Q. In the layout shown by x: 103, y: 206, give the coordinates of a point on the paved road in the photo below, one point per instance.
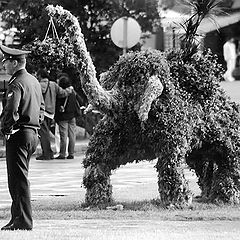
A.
x: 48, y: 178
x: 64, y: 178
x: 232, y: 89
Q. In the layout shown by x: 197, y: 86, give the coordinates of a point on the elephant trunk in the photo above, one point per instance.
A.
x: 101, y: 99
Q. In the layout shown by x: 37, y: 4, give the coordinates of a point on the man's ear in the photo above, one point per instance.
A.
x: 153, y: 90
x: 15, y: 62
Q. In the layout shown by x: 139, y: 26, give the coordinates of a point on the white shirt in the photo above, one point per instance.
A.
x: 229, y: 51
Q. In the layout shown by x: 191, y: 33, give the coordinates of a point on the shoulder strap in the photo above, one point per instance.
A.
x: 44, y: 94
x: 65, y: 102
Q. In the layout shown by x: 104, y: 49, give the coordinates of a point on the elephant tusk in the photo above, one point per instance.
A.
x: 153, y: 91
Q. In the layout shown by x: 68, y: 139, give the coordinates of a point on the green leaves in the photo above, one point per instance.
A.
x: 53, y: 54
x: 201, y: 9
x: 193, y: 121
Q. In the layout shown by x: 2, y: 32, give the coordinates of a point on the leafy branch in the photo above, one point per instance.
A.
x: 201, y: 9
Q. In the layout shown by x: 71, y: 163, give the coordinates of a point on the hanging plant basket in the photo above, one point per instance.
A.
x: 54, y: 54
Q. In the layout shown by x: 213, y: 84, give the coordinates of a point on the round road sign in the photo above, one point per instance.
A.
x: 125, y: 32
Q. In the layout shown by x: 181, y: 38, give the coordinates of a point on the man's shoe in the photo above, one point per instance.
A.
x: 60, y: 157
x: 13, y: 227
x: 7, y: 225
x: 70, y: 157
x: 42, y: 157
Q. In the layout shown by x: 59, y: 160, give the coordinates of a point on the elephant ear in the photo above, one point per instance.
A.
x: 153, y: 90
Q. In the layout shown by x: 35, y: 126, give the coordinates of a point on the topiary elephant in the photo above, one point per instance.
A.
x: 163, y: 106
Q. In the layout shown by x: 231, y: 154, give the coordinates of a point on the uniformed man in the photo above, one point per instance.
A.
x: 21, y: 120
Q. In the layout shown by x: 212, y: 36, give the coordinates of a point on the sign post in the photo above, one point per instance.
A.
x: 125, y: 33
x: 125, y: 26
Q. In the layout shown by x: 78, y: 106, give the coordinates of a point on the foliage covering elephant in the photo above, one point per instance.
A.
x: 160, y: 106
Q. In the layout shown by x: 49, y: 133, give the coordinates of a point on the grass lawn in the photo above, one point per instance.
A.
x: 66, y: 218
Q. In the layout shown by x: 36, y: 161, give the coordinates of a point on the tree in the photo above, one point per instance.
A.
x: 95, y: 17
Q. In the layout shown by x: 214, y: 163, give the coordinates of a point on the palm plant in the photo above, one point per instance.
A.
x: 201, y: 9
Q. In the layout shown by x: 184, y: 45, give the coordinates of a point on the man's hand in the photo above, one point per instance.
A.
x: 70, y: 89
x: 89, y: 109
x: 6, y: 133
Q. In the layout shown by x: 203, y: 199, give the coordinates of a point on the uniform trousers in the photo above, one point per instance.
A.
x: 19, y: 148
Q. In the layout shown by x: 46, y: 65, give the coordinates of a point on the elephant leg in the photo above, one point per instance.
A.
x: 172, y: 185
x: 225, y: 185
x: 97, y: 174
x: 218, y: 177
x: 97, y: 182
x: 203, y: 168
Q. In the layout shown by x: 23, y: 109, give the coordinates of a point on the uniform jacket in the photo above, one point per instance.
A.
x: 25, y: 104
x: 51, y: 93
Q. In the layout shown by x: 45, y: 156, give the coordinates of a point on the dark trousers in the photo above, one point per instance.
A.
x: 44, y: 133
x: 19, y: 148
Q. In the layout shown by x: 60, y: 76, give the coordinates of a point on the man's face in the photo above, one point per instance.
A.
x: 9, y: 65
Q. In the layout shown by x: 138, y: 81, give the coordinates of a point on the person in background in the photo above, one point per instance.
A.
x: 22, y: 115
x: 230, y: 56
x: 66, y: 119
x: 51, y: 91
x: 57, y: 138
